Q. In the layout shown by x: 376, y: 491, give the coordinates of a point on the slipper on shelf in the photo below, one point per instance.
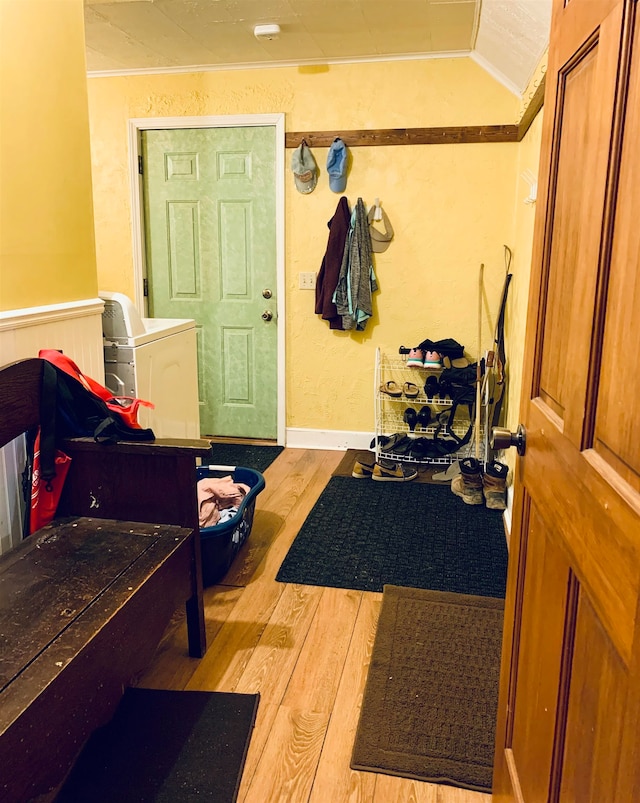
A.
x: 458, y: 362
x: 424, y: 416
x: 389, y: 443
x: 392, y: 389
x: 410, y: 417
x: 422, y: 448
x: 398, y: 443
x: 431, y: 386
x: 411, y: 391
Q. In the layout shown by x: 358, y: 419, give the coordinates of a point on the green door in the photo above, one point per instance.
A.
x: 210, y: 233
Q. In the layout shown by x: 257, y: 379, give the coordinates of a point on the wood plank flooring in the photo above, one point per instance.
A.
x: 306, y: 649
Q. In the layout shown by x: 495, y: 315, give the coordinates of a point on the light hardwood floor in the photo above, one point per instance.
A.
x: 305, y: 649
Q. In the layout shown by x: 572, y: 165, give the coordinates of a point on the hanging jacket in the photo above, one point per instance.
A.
x: 357, y: 280
x: 327, y: 279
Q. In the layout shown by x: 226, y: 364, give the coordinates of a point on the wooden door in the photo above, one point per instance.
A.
x: 210, y: 233
x: 569, y: 711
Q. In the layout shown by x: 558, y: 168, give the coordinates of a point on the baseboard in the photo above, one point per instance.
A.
x: 298, y: 438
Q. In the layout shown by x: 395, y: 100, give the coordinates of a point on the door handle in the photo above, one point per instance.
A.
x: 502, y: 438
x: 266, y: 293
x: 267, y: 315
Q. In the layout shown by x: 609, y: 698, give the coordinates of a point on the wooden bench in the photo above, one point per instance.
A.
x: 84, y: 601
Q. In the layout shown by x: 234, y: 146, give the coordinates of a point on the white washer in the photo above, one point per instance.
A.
x: 153, y: 359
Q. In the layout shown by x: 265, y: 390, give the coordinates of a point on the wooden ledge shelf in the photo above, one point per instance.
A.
x: 447, y: 135
x: 451, y: 135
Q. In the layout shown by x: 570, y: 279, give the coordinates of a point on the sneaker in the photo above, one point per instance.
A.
x: 362, y: 471
x: 392, y: 472
x: 432, y: 359
x: 415, y: 358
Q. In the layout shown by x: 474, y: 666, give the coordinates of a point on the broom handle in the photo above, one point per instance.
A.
x: 478, y: 373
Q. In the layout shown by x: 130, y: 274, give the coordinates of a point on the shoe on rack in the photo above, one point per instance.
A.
x: 424, y: 416
x: 362, y: 470
x: 411, y: 391
x: 468, y: 484
x: 416, y: 358
x: 410, y: 417
x: 391, y: 388
x: 385, y: 471
x: 432, y: 359
x: 431, y: 386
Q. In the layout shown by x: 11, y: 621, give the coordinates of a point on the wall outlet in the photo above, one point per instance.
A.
x: 307, y: 281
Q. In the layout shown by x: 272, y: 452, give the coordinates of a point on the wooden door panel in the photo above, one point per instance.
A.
x: 572, y: 254
x: 539, y: 660
x: 579, y: 22
x: 597, y: 700
x: 570, y: 686
x: 596, y: 530
x: 617, y: 434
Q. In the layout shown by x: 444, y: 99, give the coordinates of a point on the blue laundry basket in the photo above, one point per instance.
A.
x: 221, y: 543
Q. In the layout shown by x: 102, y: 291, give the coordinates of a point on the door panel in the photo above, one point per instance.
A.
x: 586, y: 82
x: 617, y: 435
x: 211, y: 251
x: 570, y: 681
x: 534, y: 717
x: 595, y: 712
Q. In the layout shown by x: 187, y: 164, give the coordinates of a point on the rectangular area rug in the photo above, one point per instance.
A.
x: 363, y: 535
x: 431, y: 696
x: 166, y: 747
x: 247, y: 455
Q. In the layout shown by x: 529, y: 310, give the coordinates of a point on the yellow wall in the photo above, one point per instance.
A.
x: 47, y: 251
x: 524, y: 215
x: 451, y: 206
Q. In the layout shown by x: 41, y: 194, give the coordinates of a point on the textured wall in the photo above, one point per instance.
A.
x: 47, y: 251
x: 516, y: 315
x: 452, y: 206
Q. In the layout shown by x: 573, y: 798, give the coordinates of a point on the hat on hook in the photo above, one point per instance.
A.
x: 305, y: 169
x: 379, y: 240
x: 337, y: 165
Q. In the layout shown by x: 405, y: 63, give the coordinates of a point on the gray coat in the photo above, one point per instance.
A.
x: 357, y: 279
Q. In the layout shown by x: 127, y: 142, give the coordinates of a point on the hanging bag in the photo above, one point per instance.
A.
x: 46, y: 491
x: 125, y: 407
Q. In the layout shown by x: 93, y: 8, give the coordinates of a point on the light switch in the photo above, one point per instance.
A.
x: 307, y: 281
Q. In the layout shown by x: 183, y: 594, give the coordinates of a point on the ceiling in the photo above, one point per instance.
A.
x: 507, y: 37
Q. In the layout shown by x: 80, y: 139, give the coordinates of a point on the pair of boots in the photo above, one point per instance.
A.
x: 476, y: 487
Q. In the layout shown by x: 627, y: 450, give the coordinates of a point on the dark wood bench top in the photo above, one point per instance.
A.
x: 72, y: 600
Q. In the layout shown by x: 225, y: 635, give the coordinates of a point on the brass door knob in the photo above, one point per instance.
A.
x: 267, y: 315
x: 266, y: 293
x: 502, y: 438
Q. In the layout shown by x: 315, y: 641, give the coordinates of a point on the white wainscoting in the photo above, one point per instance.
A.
x: 74, y: 328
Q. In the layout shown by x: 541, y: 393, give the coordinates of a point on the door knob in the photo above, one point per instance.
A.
x: 266, y: 293
x: 502, y: 438
x: 267, y: 315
